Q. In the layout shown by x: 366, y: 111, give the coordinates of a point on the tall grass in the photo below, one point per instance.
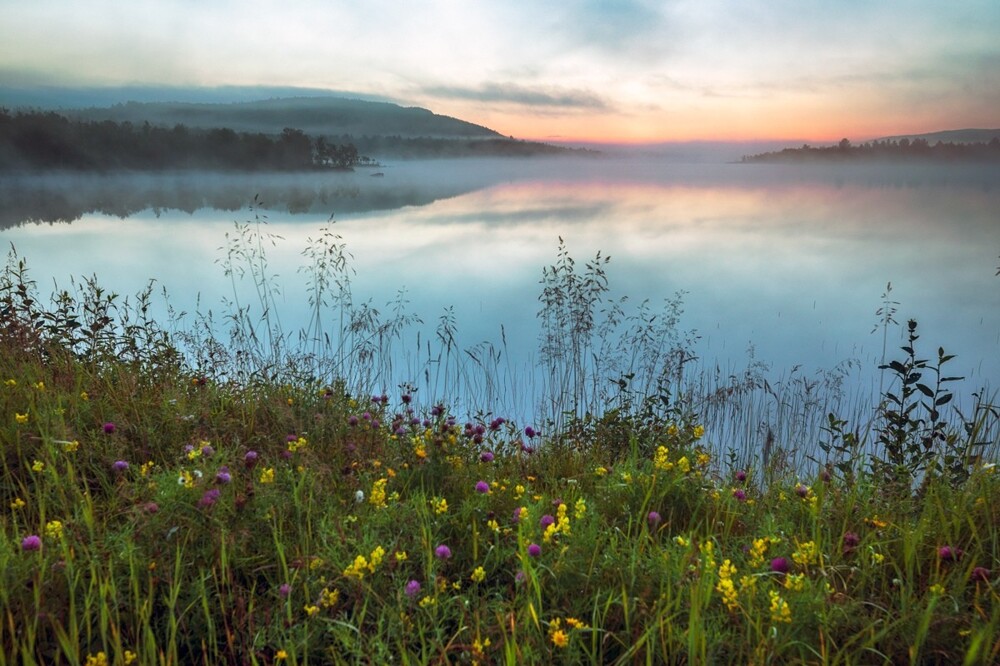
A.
x: 174, y: 495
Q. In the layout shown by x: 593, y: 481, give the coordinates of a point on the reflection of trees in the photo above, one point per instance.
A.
x: 67, y: 198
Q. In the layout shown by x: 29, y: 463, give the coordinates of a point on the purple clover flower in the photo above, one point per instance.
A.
x: 482, y: 487
x: 486, y: 457
x: 546, y: 520
x: 109, y: 428
x: 780, y: 565
x: 209, y: 498
x: 949, y: 553
x: 653, y: 518
x: 534, y: 550
x: 740, y: 494
x: 981, y: 575
x: 442, y: 552
x: 412, y: 588
x: 285, y: 590
x: 31, y: 542
x: 530, y: 432
x: 250, y: 458
x: 223, y: 476
x: 741, y: 476
x: 119, y: 466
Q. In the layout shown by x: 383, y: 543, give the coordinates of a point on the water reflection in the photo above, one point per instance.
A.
x: 788, y: 261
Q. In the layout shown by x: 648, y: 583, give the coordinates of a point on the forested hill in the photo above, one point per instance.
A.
x: 901, y: 149
x: 316, y: 116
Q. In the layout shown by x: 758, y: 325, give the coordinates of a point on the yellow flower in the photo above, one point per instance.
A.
x: 704, y: 459
x: 130, y: 657
x: 684, y: 465
x: 795, y: 582
x: 661, y: 460
x: 427, y: 601
x: 479, y: 575
x: 20, y: 418
x: 37, y: 466
x: 600, y: 471
x: 439, y: 505
x: 99, y: 659
x: 71, y: 446
x: 401, y: 556
x: 936, y: 589
x: 280, y: 655
x: 376, y: 557
x: 18, y: 503
x: 40, y: 386
x: 698, y: 432
x: 493, y: 525
x: 11, y: 382
x: 378, y: 495
x: 358, y: 568
x: 580, y: 508
x: 54, y: 529
x: 559, y: 638
x: 310, y: 609
x: 328, y: 598
x: 267, y: 475
x: 681, y: 541
x: 807, y: 553
x: 146, y: 468
x: 575, y: 623
x: 185, y: 479
x: 780, y: 611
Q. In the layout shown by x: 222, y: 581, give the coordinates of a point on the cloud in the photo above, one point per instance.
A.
x: 515, y: 94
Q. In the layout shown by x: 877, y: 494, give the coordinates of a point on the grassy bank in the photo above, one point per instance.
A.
x: 161, y: 507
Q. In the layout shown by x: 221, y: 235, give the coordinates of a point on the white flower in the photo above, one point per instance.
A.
x: 359, y: 496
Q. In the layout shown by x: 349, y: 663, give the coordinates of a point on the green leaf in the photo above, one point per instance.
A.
x: 926, y: 390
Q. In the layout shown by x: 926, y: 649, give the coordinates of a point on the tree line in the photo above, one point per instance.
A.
x: 36, y: 140
x: 887, y: 150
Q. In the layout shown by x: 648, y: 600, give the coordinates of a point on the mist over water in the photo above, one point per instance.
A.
x: 786, y: 262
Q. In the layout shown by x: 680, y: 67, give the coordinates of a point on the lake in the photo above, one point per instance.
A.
x: 781, y: 268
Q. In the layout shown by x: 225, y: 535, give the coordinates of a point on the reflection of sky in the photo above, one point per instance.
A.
x: 794, y: 267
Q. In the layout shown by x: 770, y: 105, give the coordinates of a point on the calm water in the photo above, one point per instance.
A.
x: 788, y: 261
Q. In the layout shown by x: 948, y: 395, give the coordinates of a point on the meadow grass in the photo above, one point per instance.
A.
x: 170, y: 499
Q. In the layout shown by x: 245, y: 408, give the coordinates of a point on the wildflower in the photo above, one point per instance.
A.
x: 740, y: 495
x: 482, y: 487
x: 54, y: 529
x: 109, y: 428
x: 310, y: 610
x: 698, y: 432
x: 120, y: 466
x: 328, y: 598
x: 99, y: 659
x: 877, y: 558
x: 285, y: 590
x: 71, y: 446
x: 683, y: 464
x: 520, y: 513
x: 851, y: 541
x: 795, y: 582
x: 31, y: 542
x: 378, y: 496
x: 546, y: 521
x: 439, y: 505
x: 130, y: 657
x: 267, y: 475
x: 534, y: 550
x: 653, y: 518
x: 20, y: 418
x: 37, y: 466
x: 486, y: 457
x: 559, y: 638
x: 442, y: 552
x: 185, y: 479
x: 151, y: 507
x: 757, y: 550
x: 84, y: 396
x: 681, y: 541
x: 40, y: 386
x: 936, y: 589
x: 412, y: 588
x: 600, y: 471
x: 726, y: 588
x: 11, y: 382
x: 980, y: 575
x: 741, y: 476
x: 359, y: 496
x: 807, y: 553
x: 579, y: 508
x: 780, y: 612
x: 223, y: 476
x: 530, y: 432
x: 209, y: 498
x: 400, y: 555
x: 280, y: 655
x: 250, y: 459
x: 949, y: 553
x: 427, y: 601
x: 661, y: 460
x: 780, y: 565
x: 18, y: 503
x: 478, y: 575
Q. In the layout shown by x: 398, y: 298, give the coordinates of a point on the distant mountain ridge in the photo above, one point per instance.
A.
x: 950, y: 136
x: 316, y: 116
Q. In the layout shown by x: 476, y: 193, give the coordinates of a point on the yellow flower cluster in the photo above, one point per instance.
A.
x: 807, y: 553
x: 20, y: 419
x: 18, y: 503
x: 267, y: 475
x: 560, y: 526
x: 795, y: 582
x: 377, y: 497
x: 362, y: 564
x: 661, y: 460
x: 54, y: 529
x: 558, y: 635
x: 780, y: 611
x: 328, y: 598
x: 757, y: 551
x: 71, y: 446
x: 478, y: 575
x: 297, y: 444
x: 580, y: 509
x: 439, y: 505
x: 726, y: 588
x: 99, y: 659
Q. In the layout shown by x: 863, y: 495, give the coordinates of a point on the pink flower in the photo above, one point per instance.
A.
x: 653, y: 518
x: 534, y: 550
x: 109, y: 427
x: 31, y: 542
x: 412, y: 588
x: 482, y: 487
x: 442, y: 552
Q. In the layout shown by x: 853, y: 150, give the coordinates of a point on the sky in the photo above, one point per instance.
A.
x: 554, y: 70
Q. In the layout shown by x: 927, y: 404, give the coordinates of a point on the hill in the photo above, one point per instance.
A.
x: 316, y: 116
x: 949, y: 136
